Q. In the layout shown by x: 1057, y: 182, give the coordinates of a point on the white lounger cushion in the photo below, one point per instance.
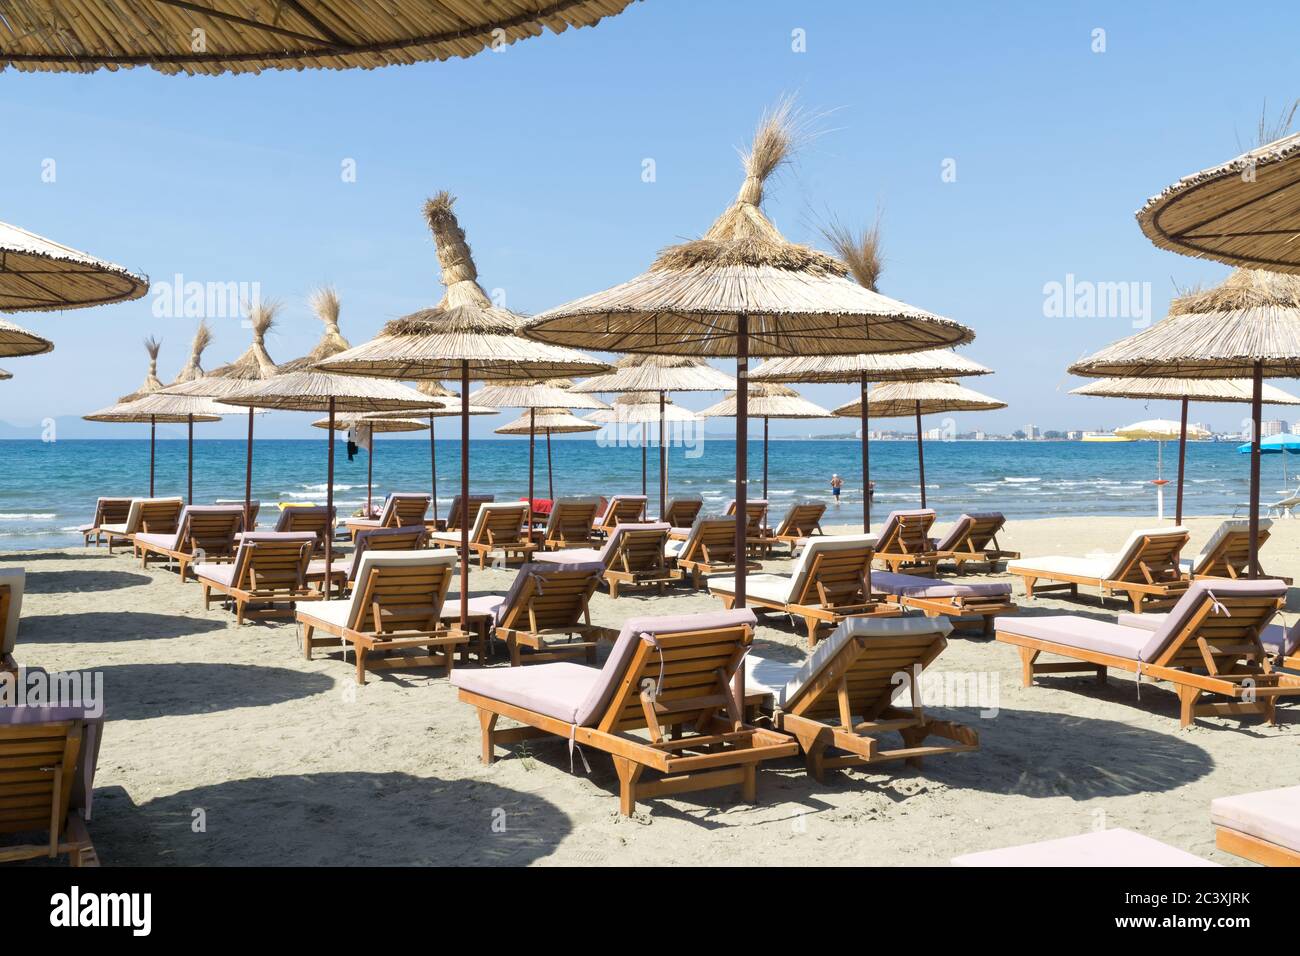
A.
x: 1102, y: 567
x: 132, y: 523
x: 1239, y: 525
x: 16, y: 578
x: 782, y: 590
x: 784, y: 681
x: 1099, y: 848
x: 1272, y: 815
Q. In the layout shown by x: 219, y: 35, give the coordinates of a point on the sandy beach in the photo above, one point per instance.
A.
x: 224, y: 746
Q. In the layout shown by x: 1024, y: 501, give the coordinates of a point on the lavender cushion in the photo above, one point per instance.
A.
x: 918, y: 586
x: 1099, y: 848
x: 1272, y: 815
x: 556, y: 689
x: 223, y: 574
x: 168, y: 542
x: 1081, y: 632
x: 1191, y: 600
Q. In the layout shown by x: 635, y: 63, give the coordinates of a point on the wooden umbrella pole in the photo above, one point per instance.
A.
x: 464, y: 496
x: 920, y: 452
x: 742, y: 496
x: 550, y: 472
x: 153, y: 430
x: 370, y: 468
x: 765, y: 420
x: 189, y: 482
x: 433, y: 468
x: 1182, y: 460
x: 329, y: 502
x: 663, y: 461
x: 248, y: 475
x: 866, y: 462
x: 532, y: 423
x: 1256, y: 397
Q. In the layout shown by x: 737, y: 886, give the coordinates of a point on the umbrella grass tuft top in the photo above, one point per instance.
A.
x: 1245, y: 212
x: 152, y: 382
x: 255, y: 365
x: 899, y: 399
x: 325, y: 303
x: 465, y: 327
x: 548, y: 421
x: 254, y: 35
x: 659, y: 373
x: 41, y: 275
x: 1176, y: 389
x: 16, y: 340
x: 794, y: 299
x: 193, y: 369
x: 768, y: 400
x: 1252, y: 317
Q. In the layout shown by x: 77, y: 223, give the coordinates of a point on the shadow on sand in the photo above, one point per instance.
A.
x: 94, y: 627
x: 143, y: 691
x: 62, y: 582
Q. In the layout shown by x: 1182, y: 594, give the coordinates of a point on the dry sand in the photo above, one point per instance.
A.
x: 224, y: 746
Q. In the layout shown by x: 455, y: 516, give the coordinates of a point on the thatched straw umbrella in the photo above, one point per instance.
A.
x: 41, y: 275
x: 313, y: 391
x: 464, y: 336
x: 257, y: 35
x: 548, y: 421
x: 861, y: 252
x: 151, y: 382
x: 532, y: 396
x: 768, y: 400
x: 5, y: 375
x: 325, y: 303
x: 16, y: 340
x: 1245, y: 212
x: 193, y: 367
x: 1248, y: 326
x: 660, y: 374
x: 1183, y: 390
x: 641, y: 409
x: 908, y: 399
x: 366, y: 427
x: 744, y: 290
x: 116, y: 413
x: 448, y: 406
x: 255, y: 365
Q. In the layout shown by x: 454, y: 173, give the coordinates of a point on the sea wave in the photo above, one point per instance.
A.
x: 28, y: 516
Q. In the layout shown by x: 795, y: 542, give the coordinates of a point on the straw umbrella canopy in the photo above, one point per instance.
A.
x: 193, y: 368
x: 741, y: 290
x: 1246, y: 327
x: 5, y: 375
x: 533, y: 396
x: 367, y: 427
x: 548, y: 421
x: 464, y: 336
x: 641, y: 409
x: 41, y: 275
x: 1183, y: 390
x: 16, y: 340
x: 1161, y: 430
x: 768, y: 400
x: 151, y: 381
x: 1245, y: 212
x: 660, y: 374
x: 116, y: 413
x: 907, y: 399
x: 261, y: 35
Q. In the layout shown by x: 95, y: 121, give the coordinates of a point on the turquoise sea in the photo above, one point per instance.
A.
x: 50, y: 487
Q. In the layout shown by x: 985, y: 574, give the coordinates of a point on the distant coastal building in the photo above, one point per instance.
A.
x: 1073, y: 435
x: 1275, y: 426
x: 1031, y: 432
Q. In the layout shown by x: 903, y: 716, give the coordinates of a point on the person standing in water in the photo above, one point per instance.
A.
x: 836, y: 484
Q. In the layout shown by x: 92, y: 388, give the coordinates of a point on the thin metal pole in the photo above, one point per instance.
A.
x: 920, y: 452
x: 329, y: 501
x: 189, y: 485
x: 464, y: 496
x: 248, y: 475
x: 866, y: 462
x: 370, y: 467
x: 532, y: 423
x: 550, y: 473
x: 742, y: 478
x: 433, y: 467
x: 765, y: 456
x: 153, y: 429
x: 1256, y: 400
x: 645, y: 440
x: 1182, y: 459
x: 663, y: 461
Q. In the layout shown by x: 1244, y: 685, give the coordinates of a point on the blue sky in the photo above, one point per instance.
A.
x: 238, y: 179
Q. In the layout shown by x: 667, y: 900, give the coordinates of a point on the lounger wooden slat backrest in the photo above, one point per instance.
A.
x: 272, y: 562
x: 907, y: 532
x: 711, y: 541
x: 682, y: 512
x: 622, y: 509
x: 317, y: 519
x: 569, y: 523
x: 38, y: 764
x: 755, y: 515
x: 410, y: 538
x: 12, y: 584
x: 211, y: 530
x: 801, y: 521
x: 401, y: 591
x: 160, y: 516
x: 500, y: 523
x: 1227, y: 553
x: 974, y: 534
x: 550, y: 596
x: 835, y: 577
x: 404, y: 508
x: 1151, y: 558
x: 637, y: 549
x: 1214, y: 631
x: 457, y: 516
x: 111, y: 511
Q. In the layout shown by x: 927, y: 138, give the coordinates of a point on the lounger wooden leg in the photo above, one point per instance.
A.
x: 628, y: 774
x: 513, y: 646
x: 1027, y: 657
x: 360, y: 653
x: 749, y: 785
x: 1187, y: 697
x: 239, y: 613
x: 814, y: 757
x: 207, y: 598
x: 913, y: 737
x: 487, y: 722
x: 613, y: 590
x: 1029, y: 587
x: 307, y: 631
x: 811, y: 623
x: 728, y: 601
x: 696, y: 578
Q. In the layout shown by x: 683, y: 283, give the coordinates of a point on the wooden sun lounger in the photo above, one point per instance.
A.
x: 12, y: 583
x: 391, y: 621
x: 343, y: 570
x: 1208, y: 646
x: 841, y: 697
x: 400, y: 509
x: 905, y: 542
x: 107, y: 511
x: 662, y: 703
x: 458, y: 515
x: 709, y: 548
x: 270, y: 568
x: 800, y: 523
x: 682, y: 512
x: 621, y: 509
x: 829, y: 584
x: 498, y: 526
x: 632, y: 556
x: 756, y: 533
x: 317, y: 519
x: 1227, y: 553
x: 47, y: 773
x: 1147, y: 570
x: 940, y: 598
x: 975, y: 538
x: 206, y: 533
x: 569, y: 523
x: 1261, y: 827
x: 150, y: 515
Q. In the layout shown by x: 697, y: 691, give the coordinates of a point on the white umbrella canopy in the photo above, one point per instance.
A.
x: 465, y: 337
x: 16, y: 341
x: 1161, y: 430
x: 41, y: 275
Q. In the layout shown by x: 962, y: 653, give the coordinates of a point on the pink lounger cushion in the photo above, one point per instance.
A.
x: 601, y: 556
x: 1271, y: 815
x: 577, y: 694
x: 1276, y: 638
x: 1116, y: 847
x: 918, y: 586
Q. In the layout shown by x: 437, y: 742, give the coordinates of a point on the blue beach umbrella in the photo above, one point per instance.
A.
x: 1284, y: 444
